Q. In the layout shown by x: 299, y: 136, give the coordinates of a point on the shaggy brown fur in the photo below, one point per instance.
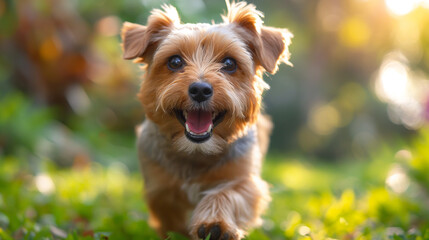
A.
x: 210, y: 186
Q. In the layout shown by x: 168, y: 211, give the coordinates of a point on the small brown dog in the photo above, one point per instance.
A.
x: 204, y: 137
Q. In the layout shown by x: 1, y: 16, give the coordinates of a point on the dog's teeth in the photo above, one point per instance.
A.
x: 213, y: 115
x: 185, y: 114
x: 199, y: 134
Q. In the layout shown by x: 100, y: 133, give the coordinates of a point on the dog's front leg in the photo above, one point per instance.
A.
x: 167, y: 211
x: 226, y: 211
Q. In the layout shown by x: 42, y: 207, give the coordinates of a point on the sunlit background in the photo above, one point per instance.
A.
x: 358, y: 92
x: 359, y: 75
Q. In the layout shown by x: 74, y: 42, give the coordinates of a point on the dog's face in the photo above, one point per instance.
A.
x: 203, y: 83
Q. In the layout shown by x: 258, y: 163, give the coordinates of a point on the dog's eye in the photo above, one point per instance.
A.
x: 229, y: 65
x: 175, y: 63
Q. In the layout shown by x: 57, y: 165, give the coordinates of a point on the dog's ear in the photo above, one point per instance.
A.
x: 275, y: 48
x: 139, y: 40
x: 269, y: 46
x: 134, y: 40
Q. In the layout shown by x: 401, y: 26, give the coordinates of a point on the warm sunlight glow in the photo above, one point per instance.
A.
x: 425, y: 3
x: 401, y: 7
x: 403, y: 89
x: 394, y: 81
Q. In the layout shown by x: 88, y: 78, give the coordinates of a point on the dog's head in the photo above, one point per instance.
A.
x: 203, y: 82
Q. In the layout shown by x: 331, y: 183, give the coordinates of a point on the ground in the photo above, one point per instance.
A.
x: 311, y: 199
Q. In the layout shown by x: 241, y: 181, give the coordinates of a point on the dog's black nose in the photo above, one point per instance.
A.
x: 200, y: 91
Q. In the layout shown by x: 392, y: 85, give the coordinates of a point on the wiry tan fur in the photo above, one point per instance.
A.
x: 212, y: 187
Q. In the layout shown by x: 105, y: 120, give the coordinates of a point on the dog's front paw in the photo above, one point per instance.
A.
x: 217, y: 231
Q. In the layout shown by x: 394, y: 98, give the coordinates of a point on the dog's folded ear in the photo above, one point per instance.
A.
x: 134, y: 40
x: 140, y: 41
x: 269, y: 45
x: 274, y: 49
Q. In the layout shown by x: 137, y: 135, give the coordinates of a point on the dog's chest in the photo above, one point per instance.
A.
x: 154, y: 147
x: 193, y: 192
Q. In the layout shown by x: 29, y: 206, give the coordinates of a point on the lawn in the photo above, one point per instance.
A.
x: 384, y: 197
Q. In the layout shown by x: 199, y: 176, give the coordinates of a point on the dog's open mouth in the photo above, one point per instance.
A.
x: 199, y: 124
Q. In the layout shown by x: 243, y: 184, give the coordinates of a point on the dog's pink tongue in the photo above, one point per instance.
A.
x: 199, y: 121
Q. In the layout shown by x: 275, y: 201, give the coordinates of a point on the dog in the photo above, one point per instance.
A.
x: 204, y: 137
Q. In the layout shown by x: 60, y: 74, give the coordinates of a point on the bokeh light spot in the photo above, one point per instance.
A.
x: 404, y: 155
x: 324, y: 119
x: 400, y: 7
x: 403, y: 89
x: 354, y: 32
x: 397, y: 180
x: 394, y: 79
x: 44, y: 184
x: 108, y: 26
x: 304, y: 230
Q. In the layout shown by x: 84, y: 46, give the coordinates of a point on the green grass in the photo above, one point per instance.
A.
x: 310, y: 201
